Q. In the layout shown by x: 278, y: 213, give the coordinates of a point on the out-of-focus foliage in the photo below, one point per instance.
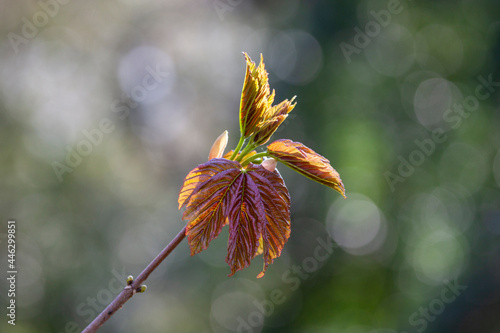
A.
x: 105, y: 106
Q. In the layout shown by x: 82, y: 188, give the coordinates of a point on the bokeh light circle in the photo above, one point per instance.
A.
x: 295, y: 56
x: 432, y: 99
x: 438, y: 257
x: 409, y: 87
x: 357, y: 225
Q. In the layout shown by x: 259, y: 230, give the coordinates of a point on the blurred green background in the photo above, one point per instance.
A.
x: 106, y: 106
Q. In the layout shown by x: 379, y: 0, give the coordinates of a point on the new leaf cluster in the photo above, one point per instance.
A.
x: 243, y: 189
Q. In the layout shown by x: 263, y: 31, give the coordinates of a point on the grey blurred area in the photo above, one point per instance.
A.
x: 106, y: 106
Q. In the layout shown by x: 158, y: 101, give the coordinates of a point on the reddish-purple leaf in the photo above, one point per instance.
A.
x: 246, y: 217
x: 253, y: 200
x: 198, y: 176
x: 276, y: 229
x: 206, y: 200
x: 307, y: 162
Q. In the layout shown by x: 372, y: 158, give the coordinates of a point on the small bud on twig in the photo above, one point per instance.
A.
x: 130, y: 279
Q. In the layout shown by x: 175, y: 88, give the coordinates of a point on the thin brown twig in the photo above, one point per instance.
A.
x: 131, y: 289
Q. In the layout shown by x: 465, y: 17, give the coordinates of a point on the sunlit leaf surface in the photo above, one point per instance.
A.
x: 306, y: 162
x: 254, y: 201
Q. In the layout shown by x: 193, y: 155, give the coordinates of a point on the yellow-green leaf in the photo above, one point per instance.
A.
x: 256, y: 97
